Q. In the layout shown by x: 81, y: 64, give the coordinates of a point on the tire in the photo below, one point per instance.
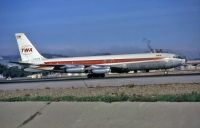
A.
x: 96, y: 75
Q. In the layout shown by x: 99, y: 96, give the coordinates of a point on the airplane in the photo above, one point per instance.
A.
x: 94, y: 66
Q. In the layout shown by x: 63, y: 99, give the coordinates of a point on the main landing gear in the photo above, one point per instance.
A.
x: 96, y: 75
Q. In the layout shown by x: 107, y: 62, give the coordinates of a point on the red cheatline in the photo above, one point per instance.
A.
x: 91, y: 62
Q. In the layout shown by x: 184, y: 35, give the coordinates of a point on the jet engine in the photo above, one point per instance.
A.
x: 75, y: 69
x: 102, y: 70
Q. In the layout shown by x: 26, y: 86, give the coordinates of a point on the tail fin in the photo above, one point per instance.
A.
x: 27, y: 51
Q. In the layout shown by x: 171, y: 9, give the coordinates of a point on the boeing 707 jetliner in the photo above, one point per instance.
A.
x: 94, y: 66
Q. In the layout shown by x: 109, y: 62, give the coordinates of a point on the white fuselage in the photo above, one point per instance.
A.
x: 143, y: 61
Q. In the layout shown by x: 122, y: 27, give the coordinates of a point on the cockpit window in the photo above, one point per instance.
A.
x: 178, y: 57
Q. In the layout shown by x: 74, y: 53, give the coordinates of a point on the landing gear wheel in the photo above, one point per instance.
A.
x: 102, y: 75
x: 89, y: 76
x: 96, y: 75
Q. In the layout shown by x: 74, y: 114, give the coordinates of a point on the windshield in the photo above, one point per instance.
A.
x: 178, y: 57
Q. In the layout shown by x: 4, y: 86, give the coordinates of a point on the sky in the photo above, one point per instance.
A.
x: 87, y: 27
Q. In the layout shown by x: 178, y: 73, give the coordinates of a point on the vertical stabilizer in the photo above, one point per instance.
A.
x: 28, y: 52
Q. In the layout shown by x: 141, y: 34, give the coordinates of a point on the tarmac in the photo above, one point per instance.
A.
x: 117, y: 81
x: 99, y: 115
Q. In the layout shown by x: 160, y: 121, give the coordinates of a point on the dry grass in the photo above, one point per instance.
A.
x: 129, y: 90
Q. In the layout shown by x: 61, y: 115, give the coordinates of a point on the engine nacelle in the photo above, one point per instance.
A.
x: 75, y: 70
x: 101, y: 70
x: 32, y: 70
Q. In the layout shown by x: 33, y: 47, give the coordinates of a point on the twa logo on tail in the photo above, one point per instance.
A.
x: 26, y: 50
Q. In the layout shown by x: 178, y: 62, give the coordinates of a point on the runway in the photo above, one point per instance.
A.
x: 101, y: 115
x: 110, y: 81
